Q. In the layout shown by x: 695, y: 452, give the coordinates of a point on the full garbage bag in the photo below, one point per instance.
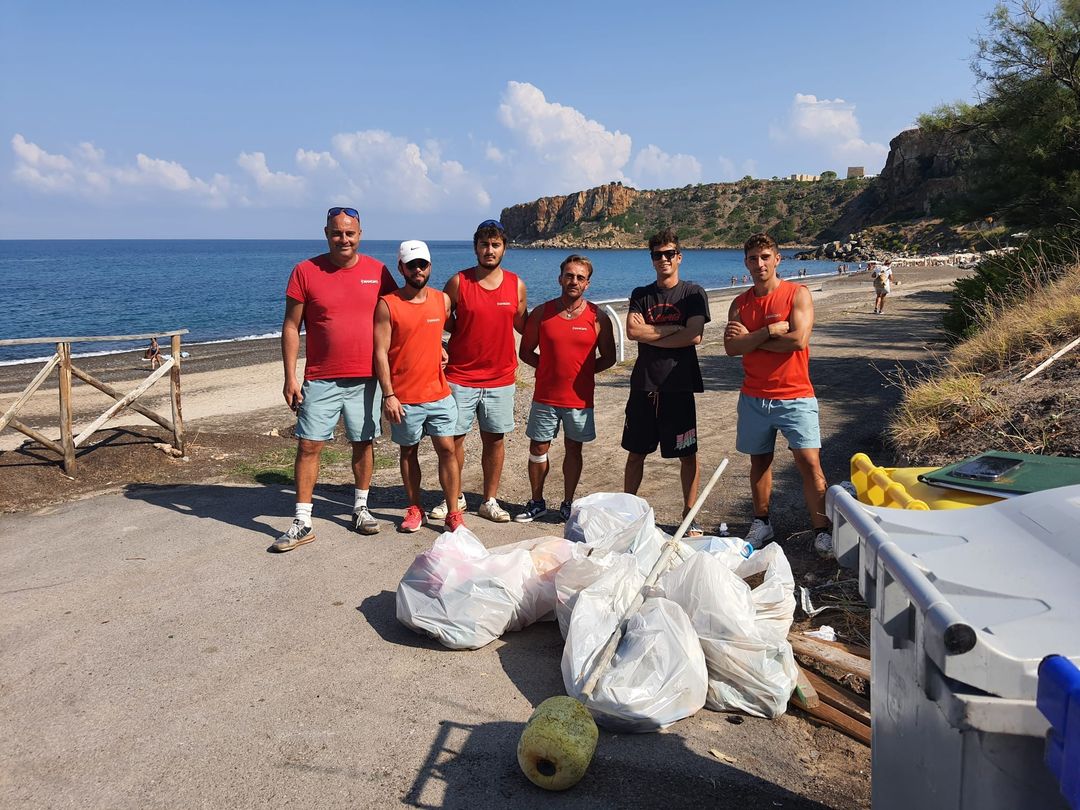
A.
x: 658, y: 674
x: 743, y: 633
x: 466, y: 595
x: 616, y: 522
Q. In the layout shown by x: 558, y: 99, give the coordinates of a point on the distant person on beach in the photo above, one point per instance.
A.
x: 667, y: 319
x: 487, y: 306
x: 769, y: 326
x: 153, y: 354
x: 568, y: 331
x: 416, y: 397
x: 734, y: 281
x: 882, y: 277
x: 334, y: 295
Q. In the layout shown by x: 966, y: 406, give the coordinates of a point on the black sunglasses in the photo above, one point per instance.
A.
x: 657, y: 255
x: 491, y: 223
x: 418, y: 264
x: 352, y: 212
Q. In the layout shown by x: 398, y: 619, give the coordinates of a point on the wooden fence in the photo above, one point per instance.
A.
x: 67, y: 443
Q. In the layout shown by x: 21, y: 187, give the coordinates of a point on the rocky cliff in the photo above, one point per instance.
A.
x: 922, y: 173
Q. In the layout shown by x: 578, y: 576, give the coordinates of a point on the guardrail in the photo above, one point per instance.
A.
x: 67, y: 443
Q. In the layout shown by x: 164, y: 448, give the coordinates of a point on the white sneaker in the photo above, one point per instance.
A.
x: 491, y: 510
x: 759, y: 533
x: 823, y: 545
x: 439, y: 512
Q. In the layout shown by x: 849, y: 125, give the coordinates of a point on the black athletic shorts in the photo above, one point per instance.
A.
x: 664, y: 418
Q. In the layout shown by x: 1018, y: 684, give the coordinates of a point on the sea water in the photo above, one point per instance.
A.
x: 224, y: 290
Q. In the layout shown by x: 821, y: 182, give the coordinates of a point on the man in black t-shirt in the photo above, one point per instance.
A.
x: 667, y: 319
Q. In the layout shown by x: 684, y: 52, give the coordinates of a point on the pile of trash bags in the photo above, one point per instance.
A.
x: 702, y: 638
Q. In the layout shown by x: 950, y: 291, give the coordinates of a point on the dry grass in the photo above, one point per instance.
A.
x: 1019, y: 329
x: 965, y: 393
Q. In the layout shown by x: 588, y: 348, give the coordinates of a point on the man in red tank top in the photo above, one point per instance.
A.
x: 416, y: 398
x: 568, y: 331
x: 487, y: 306
x: 769, y: 326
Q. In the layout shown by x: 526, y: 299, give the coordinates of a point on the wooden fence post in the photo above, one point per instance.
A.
x: 67, y: 437
x: 174, y: 386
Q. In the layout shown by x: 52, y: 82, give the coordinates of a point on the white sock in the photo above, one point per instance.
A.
x: 303, y: 513
x: 359, y: 499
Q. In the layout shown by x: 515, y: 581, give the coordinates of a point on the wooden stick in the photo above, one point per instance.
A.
x: 1050, y: 359
x: 805, y: 695
x: 36, y: 436
x: 29, y: 390
x: 174, y: 390
x: 116, y: 406
x: 826, y: 653
x: 89, y: 339
x: 66, y: 429
x: 855, y: 706
x: 105, y: 388
x: 834, y: 718
x: 601, y: 662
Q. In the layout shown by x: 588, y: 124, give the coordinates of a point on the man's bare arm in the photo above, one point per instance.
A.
x: 605, y: 343
x: 530, y: 339
x: 689, y: 335
x: 801, y: 324
x: 522, y: 309
x: 381, y: 334
x: 290, y: 351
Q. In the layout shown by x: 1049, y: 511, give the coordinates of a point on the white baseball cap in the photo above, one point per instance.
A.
x: 413, y: 249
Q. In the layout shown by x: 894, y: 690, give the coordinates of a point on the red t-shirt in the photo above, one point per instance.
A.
x: 773, y: 375
x: 481, y: 349
x: 339, y: 313
x: 415, y: 352
x: 566, y: 377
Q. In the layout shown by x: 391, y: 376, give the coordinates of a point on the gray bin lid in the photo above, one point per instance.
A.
x: 1008, y: 570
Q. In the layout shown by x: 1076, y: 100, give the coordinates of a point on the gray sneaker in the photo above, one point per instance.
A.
x: 491, y: 510
x: 364, y: 522
x: 439, y: 512
x: 297, y: 535
x: 759, y: 533
x: 823, y: 545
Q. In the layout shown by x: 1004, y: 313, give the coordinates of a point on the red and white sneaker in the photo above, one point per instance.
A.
x: 454, y: 520
x: 413, y: 520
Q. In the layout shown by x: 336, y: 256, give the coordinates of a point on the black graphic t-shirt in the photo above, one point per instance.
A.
x: 660, y: 369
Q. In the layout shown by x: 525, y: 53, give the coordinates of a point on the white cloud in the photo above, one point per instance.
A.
x: 655, y: 168
x: 832, y: 125
x: 30, y: 154
x: 494, y: 154
x: 562, y: 150
x: 254, y: 163
x: 315, y: 161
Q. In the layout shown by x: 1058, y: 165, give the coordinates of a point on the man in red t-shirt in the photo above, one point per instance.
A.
x: 334, y: 297
x: 769, y: 326
x: 568, y: 331
x: 488, y: 304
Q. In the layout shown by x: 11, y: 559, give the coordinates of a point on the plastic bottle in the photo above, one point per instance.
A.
x: 723, y: 531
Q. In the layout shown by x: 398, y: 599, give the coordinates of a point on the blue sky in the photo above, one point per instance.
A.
x: 246, y: 120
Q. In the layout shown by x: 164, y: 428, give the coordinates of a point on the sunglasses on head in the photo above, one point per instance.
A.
x: 352, y: 212
x: 491, y: 223
x: 418, y: 264
x: 657, y: 255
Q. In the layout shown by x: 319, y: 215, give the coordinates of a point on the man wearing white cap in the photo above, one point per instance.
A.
x: 416, y: 397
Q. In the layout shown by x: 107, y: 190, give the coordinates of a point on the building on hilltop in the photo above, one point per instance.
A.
x: 855, y: 171
x: 806, y: 178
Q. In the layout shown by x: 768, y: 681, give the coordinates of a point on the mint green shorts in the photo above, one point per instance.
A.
x: 358, y: 399
x: 760, y: 419
x: 492, y: 408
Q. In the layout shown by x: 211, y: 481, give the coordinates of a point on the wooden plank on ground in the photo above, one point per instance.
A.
x: 854, y: 706
x: 830, y: 654
x: 40, y: 438
x: 834, y: 718
x: 805, y: 695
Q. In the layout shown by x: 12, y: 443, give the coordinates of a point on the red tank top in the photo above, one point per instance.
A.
x: 482, y: 349
x: 773, y: 375
x: 415, y: 352
x: 566, y: 377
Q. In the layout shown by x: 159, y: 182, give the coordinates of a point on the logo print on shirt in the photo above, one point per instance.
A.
x: 663, y: 313
x: 773, y: 316
x: 579, y: 329
x: 369, y: 281
x: 503, y: 304
x: 433, y: 320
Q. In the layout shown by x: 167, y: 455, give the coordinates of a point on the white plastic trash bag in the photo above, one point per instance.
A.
x: 579, y: 573
x: 750, y: 664
x: 467, y: 596
x: 616, y: 522
x: 658, y: 674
